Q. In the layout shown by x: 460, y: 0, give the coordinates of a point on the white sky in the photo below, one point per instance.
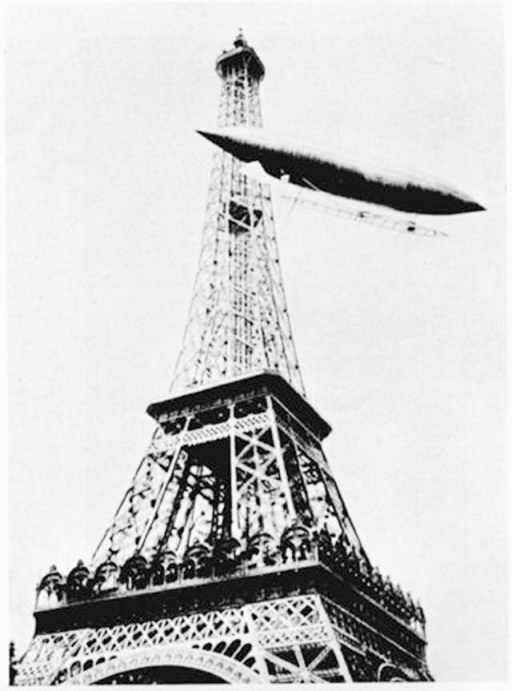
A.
x: 401, y: 339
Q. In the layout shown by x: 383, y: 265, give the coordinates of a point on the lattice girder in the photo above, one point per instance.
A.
x: 238, y: 320
x: 262, y: 631
x: 258, y: 476
x: 300, y: 638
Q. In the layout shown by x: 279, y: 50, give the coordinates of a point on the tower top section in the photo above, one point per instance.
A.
x: 241, y: 55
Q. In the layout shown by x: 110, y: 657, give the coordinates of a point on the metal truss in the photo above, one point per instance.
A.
x: 238, y: 320
x: 305, y: 638
x: 275, y: 477
x: 287, y: 639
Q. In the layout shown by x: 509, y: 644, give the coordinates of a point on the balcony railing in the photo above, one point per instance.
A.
x: 201, y: 565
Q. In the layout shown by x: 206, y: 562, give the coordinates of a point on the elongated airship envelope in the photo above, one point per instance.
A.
x: 340, y: 175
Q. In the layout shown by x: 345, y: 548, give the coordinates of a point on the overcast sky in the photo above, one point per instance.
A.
x: 400, y: 339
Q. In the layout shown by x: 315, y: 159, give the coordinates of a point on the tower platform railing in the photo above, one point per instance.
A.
x: 298, y: 549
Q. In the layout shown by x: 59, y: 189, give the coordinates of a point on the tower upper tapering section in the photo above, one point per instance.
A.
x: 238, y: 321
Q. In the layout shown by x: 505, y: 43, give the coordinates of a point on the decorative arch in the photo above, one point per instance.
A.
x: 228, y: 669
x: 388, y: 672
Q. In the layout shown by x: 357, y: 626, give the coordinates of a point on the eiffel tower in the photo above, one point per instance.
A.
x: 232, y: 556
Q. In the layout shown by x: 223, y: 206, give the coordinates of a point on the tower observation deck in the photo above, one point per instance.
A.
x: 240, y: 60
x: 232, y: 555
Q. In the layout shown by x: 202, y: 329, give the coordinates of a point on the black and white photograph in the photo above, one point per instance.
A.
x: 256, y: 343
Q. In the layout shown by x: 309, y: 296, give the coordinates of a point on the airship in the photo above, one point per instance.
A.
x: 339, y: 174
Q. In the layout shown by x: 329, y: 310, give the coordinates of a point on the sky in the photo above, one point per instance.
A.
x: 401, y: 339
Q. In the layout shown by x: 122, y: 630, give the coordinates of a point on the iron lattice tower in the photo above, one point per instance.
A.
x: 232, y: 555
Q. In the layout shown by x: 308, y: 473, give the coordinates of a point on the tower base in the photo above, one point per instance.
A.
x: 297, y: 623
